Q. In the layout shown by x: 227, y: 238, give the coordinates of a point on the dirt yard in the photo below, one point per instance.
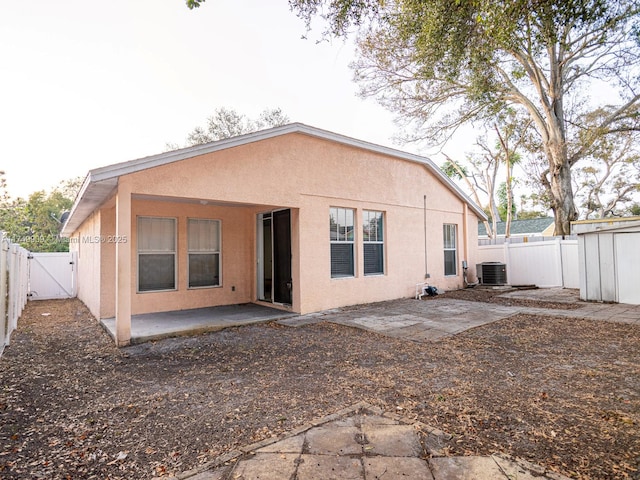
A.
x: 558, y: 392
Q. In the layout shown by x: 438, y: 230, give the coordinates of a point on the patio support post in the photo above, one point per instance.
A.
x: 123, y: 264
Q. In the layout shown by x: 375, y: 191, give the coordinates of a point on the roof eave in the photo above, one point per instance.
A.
x: 92, y: 194
x: 104, y: 180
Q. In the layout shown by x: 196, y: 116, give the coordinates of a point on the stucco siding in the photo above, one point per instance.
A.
x: 404, y: 247
x: 277, y: 171
x: 472, y: 246
x: 309, y: 176
x: 108, y: 263
x: 237, y: 234
x: 86, y: 242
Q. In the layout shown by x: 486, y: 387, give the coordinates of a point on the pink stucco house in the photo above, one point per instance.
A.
x: 291, y: 217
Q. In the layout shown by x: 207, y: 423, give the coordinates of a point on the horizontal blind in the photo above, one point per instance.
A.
x: 342, y: 260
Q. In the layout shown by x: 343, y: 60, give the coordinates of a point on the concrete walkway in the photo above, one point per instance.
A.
x: 430, y: 320
x: 362, y: 442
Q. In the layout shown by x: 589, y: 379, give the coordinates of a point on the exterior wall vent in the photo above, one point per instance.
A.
x: 492, y: 273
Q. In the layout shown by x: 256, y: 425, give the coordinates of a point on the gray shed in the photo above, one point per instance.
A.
x: 609, y: 259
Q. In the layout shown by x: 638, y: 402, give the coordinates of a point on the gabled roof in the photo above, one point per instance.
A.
x: 100, y: 183
x: 520, y: 227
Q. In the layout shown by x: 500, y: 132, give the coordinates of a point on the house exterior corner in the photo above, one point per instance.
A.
x: 298, y: 220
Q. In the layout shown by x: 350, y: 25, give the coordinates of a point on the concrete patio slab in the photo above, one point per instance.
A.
x: 362, y: 443
x: 428, y: 321
x: 556, y: 295
x: 267, y: 466
x: 516, y: 471
x: 419, y: 320
x: 217, y: 475
x: 456, y: 468
x: 396, y: 468
x: 333, y: 440
x: 391, y: 440
x: 155, y: 326
x: 288, y: 445
x: 314, y: 467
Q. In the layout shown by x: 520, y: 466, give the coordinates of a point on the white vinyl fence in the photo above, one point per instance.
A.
x: 52, y: 275
x: 14, y: 281
x: 551, y: 263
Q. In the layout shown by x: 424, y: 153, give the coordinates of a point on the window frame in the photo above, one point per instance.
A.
x: 380, y: 236
x: 157, y: 252
x: 345, y: 241
x: 454, y: 249
x: 205, y: 252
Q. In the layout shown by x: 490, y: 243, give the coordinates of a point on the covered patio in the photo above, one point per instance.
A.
x: 155, y: 326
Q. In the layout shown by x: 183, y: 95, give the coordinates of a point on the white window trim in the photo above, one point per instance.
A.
x: 175, y: 255
x: 219, y: 252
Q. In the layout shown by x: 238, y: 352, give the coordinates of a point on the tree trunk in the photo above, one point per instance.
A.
x: 562, y: 197
x: 507, y: 227
x: 562, y: 203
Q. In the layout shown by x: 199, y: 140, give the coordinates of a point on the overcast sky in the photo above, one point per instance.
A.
x: 87, y: 84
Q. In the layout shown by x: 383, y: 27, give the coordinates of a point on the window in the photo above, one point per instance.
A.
x: 341, y: 234
x: 373, y: 239
x: 203, y: 238
x: 450, y: 255
x: 156, y: 254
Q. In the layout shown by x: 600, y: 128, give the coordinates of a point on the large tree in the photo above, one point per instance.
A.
x: 35, y: 223
x: 227, y: 123
x: 441, y: 63
x: 497, y: 149
x: 606, y: 178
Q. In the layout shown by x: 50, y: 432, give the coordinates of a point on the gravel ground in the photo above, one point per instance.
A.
x: 560, y: 392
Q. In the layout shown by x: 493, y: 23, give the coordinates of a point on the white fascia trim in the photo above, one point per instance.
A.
x: 76, y: 202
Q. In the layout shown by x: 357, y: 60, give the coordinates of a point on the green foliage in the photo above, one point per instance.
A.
x: 227, y: 123
x: 440, y: 64
x: 607, y: 178
x: 194, y: 3
x: 634, y: 210
x: 537, y: 202
x: 454, y: 171
x: 530, y: 214
x: 341, y: 15
x: 35, y: 223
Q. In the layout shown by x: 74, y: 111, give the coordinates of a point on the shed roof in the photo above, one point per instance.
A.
x: 608, y: 224
x: 520, y: 227
x: 100, y: 183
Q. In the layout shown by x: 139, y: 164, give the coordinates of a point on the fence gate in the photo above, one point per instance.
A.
x: 52, y: 275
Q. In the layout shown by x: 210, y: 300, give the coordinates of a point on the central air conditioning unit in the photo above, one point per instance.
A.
x: 492, y: 273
